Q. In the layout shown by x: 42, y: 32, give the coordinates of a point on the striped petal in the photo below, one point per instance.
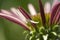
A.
x: 15, y: 20
x: 19, y: 14
x: 9, y: 13
x: 53, y: 12
x: 57, y: 20
x: 56, y: 17
x: 14, y: 10
x: 24, y: 13
x: 42, y: 12
x: 31, y: 9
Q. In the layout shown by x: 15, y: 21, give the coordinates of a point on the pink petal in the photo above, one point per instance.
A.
x: 53, y: 12
x: 19, y: 14
x: 57, y: 20
x: 47, y: 7
x: 15, y: 20
x: 56, y: 17
x: 8, y: 13
x: 24, y: 13
x: 31, y: 9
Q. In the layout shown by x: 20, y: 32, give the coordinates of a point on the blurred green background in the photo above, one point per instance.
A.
x: 12, y: 31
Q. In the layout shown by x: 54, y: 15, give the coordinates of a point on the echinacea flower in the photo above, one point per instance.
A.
x: 41, y: 25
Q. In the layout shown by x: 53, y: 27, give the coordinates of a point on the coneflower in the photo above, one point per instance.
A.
x: 41, y: 26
